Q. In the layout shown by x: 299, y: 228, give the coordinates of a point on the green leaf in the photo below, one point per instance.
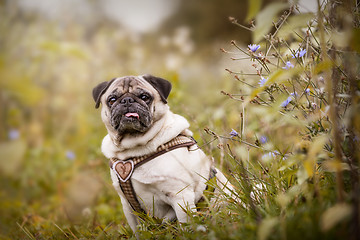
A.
x: 322, y: 66
x: 341, y: 39
x: 314, y: 149
x: 283, y: 199
x: 295, y: 22
x: 253, y: 8
x: 265, y: 18
x: 265, y: 228
x: 278, y: 76
x: 334, y: 215
x: 302, y: 175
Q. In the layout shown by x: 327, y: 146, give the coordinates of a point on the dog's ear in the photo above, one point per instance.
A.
x: 99, y: 90
x: 161, y: 85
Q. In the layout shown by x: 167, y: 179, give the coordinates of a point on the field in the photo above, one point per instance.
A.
x: 280, y: 116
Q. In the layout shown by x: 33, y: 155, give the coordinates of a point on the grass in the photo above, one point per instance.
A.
x: 292, y: 153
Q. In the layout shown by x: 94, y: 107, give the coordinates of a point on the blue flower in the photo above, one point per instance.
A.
x: 286, y: 102
x: 234, y: 133
x: 70, y: 155
x: 263, y: 139
x: 288, y: 65
x: 262, y: 81
x: 299, y: 53
x: 13, y: 134
x: 294, y: 94
x: 253, y: 47
x: 268, y: 156
x: 307, y: 91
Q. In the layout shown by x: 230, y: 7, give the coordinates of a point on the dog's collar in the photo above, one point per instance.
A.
x: 125, y: 168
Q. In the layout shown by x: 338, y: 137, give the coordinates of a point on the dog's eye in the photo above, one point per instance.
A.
x: 144, y: 97
x: 111, y: 101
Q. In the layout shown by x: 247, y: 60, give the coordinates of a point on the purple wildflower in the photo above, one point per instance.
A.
x: 262, y: 81
x: 307, y: 91
x: 313, y: 105
x: 253, y: 47
x: 263, y: 139
x: 268, y: 156
x: 13, y: 134
x: 234, y: 133
x: 288, y: 65
x: 70, y: 155
x: 286, y: 102
x: 294, y: 94
x: 299, y: 53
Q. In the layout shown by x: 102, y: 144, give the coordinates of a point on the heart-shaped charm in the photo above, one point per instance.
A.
x: 123, y: 169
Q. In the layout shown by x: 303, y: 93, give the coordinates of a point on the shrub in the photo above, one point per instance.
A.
x: 295, y: 150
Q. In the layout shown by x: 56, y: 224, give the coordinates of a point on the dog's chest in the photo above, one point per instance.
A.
x: 158, y: 182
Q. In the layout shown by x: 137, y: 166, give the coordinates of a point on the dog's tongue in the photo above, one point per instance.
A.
x: 132, y: 115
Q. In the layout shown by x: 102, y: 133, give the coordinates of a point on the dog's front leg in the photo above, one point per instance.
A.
x: 170, y: 215
x: 182, y: 203
x: 130, y: 217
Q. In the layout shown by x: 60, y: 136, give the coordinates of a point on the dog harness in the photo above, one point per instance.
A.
x: 125, y: 168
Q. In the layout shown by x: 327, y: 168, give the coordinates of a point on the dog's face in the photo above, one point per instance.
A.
x: 131, y: 104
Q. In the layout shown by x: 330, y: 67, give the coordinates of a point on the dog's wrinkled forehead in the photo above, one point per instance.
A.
x: 129, y: 84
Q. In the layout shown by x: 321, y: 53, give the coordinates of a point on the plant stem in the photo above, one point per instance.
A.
x: 331, y: 90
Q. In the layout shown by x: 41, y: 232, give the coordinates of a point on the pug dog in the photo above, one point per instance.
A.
x: 139, y: 121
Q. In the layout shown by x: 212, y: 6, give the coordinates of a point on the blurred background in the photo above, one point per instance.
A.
x: 53, y: 52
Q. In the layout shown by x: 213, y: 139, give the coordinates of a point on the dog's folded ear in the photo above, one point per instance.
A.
x: 99, y: 90
x: 161, y: 85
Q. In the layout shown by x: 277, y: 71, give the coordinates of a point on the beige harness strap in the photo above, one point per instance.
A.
x: 125, y: 168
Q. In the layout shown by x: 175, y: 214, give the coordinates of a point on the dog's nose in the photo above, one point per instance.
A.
x: 127, y: 101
